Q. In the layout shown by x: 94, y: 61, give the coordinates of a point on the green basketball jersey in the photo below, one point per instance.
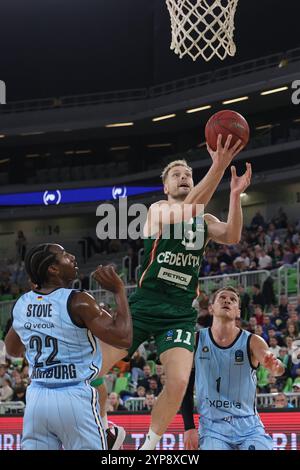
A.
x: 172, y: 262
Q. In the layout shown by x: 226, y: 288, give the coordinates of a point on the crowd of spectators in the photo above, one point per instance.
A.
x: 264, y: 245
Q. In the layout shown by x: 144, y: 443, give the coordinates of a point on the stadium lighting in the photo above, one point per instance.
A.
x: 243, y: 195
x: 274, y: 90
x: 196, y: 110
x: 32, y: 155
x: 23, y: 134
x: 265, y: 126
x: 154, y: 146
x: 120, y: 147
x: 5, y: 160
x: 120, y: 124
x: 297, y: 120
x: 82, y: 152
x: 236, y: 100
x: 162, y: 118
x: 2, y: 136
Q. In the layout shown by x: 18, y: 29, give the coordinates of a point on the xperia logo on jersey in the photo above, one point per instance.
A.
x: 39, y: 310
x: 224, y: 404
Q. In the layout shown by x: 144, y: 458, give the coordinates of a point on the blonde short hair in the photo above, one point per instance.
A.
x: 171, y: 165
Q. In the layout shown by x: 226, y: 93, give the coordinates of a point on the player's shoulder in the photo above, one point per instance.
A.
x: 82, y: 296
x: 158, y: 204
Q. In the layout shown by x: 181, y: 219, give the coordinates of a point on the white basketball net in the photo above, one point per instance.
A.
x: 202, y: 27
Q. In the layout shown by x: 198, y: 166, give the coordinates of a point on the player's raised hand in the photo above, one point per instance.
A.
x: 240, y: 183
x: 191, y: 439
x: 107, y: 277
x: 223, y: 156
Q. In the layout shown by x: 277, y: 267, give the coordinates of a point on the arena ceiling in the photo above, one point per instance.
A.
x: 67, y: 47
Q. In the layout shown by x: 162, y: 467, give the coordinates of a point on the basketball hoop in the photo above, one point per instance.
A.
x: 202, y: 28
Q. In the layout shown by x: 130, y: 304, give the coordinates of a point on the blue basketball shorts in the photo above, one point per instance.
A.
x: 60, y: 416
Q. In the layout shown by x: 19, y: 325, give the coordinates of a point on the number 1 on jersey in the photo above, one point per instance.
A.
x: 218, y: 384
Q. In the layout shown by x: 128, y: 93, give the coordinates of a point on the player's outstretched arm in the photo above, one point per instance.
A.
x: 222, y: 157
x: 230, y: 232
x: 112, y: 327
x: 261, y: 354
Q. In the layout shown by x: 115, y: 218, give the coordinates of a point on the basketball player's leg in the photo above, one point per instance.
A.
x: 213, y: 443
x: 256, y: 439
x: 112, y: 355
x: 177, y: 362
x: 36, y: 434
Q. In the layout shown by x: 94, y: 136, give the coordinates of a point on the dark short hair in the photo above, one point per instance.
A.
x: 37, y: 262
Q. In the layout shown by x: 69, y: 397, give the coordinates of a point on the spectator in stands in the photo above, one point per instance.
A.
x: 259, y: 331
x: 292, y: 331
x: 289, y: 341
x: 298, y: 305
x: 257, y: 220
x: 149, y: 401
x: 6, y: 392
x: 281, y: 401
x: 245, y: 302
x: 277, y: 320
x: 277, y: 255
x: 264, y: 260
x: 288, y: 257
x: 252, y: 324
x: 159, y: 369
x: 19, y: 393
x: 268, y: 292
x: 257, y: 298
x: 274, y: 348
x: 258, y: 313
x: 114, y: 402
x: 274, y: 333
x: 267, y: 324
x: 296, y: 387
x: 271, y: 232
x: 3, y: 374
x: 137, y: 363
x: 283, y: 305
x: 155, y: 385
x: 224, y: 269
x: 139, y: 393
x: 21, y: 245
x: 147, y: 374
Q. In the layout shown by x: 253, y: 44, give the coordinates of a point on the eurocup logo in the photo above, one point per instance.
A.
x: 119, y: 192
x: 2, y: 92
x: 52, y: 197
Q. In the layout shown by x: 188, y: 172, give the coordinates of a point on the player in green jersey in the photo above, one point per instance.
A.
x: 162, y: 303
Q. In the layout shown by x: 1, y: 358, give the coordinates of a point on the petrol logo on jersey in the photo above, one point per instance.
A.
x: 239, y: 356
x: 174, y: 276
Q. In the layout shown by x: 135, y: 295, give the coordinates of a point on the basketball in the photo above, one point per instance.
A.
x: 226, y: 122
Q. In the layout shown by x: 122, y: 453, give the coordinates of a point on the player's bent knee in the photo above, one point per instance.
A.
x: 176, y: 388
